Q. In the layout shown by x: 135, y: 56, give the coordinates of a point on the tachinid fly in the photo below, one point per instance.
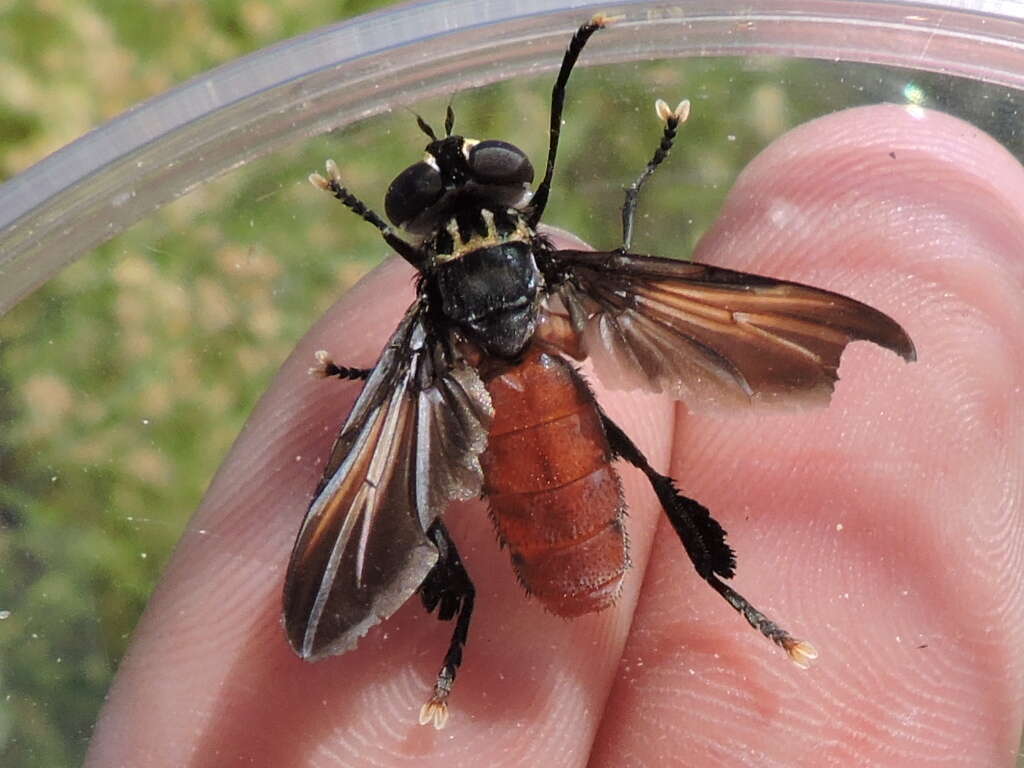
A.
x: 474, y: 394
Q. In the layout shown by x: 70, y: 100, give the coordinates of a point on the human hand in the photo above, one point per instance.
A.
x: 885, y: 529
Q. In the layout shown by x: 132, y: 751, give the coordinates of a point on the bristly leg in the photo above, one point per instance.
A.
x: 704, y: 541
x: 448, y: 588
x: 672, y: 118
x: 333, y: 185
x: 327, y: 368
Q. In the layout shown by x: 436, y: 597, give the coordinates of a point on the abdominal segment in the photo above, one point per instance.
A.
x: 555, y: 499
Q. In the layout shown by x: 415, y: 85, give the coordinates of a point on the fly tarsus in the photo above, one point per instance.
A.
x: 334, y: 187
x: 326, y: 368
x: 800, y: 652
x: 448, y: 589
x: 672, y: 118
x: 704, y: 541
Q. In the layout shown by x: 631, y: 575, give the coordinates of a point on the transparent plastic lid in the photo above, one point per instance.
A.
x: 102, y: 183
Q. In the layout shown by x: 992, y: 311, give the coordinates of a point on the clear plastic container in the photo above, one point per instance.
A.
x: 760, y: 68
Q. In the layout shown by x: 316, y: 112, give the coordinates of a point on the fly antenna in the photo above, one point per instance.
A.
x: 424, y: 126
x: 449, y: 119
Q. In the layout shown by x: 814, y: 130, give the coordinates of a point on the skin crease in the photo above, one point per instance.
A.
x: 885, y: 528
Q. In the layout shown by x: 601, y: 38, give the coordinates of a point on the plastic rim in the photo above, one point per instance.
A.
x: 108, y: 179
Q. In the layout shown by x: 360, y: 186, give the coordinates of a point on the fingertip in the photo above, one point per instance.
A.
x: 877, y: 186
x: 879, y: 526
x: 212, y: 631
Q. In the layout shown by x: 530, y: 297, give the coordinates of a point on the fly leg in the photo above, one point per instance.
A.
x: 326, y: 368
x: 448, y: 588
x: 579, y: 40
x: 672, y: 119
x: 333, y: 185
x: 704, y: 541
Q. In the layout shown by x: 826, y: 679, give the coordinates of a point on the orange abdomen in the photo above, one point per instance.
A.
x: 554, y: 496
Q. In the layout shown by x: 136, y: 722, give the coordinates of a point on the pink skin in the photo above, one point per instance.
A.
x: 886, y: 528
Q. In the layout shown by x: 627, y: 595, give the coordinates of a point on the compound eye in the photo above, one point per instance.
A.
x: 498, y: 162
x: 413, y: 191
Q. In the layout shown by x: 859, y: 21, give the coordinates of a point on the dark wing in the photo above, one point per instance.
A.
x: 410, y: 446
x: 708, y: 335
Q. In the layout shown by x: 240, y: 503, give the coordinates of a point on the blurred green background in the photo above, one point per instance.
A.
x: 120, y: 385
